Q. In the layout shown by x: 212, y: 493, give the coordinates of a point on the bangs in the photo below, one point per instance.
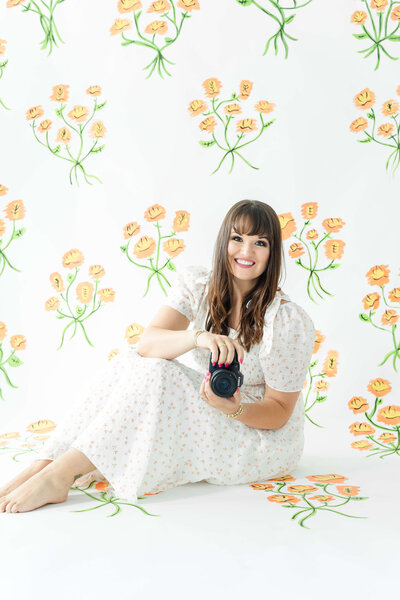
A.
x: 252, y: 221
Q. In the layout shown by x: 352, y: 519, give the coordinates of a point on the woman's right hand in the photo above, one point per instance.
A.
x: 221, y: 347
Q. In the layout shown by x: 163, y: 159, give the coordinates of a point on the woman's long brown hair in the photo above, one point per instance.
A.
x: 247, y: 217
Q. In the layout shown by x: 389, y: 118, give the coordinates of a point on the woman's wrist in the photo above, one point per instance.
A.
x: 196, y: 336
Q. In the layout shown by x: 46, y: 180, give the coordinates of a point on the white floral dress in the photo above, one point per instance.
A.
x: 142, y: 423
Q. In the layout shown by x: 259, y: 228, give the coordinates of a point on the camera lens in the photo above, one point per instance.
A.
x: 224, y: 384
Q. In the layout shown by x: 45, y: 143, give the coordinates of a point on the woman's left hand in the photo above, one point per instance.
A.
x: 226, y: 405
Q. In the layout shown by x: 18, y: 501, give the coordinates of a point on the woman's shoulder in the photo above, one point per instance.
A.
x: 291, y: 315
x: 194, y: 278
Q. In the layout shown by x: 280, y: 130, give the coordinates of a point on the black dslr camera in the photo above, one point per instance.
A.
x: 225, y: 381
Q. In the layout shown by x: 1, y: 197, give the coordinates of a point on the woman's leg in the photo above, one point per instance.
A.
x: 26, y: 474
x: 50, y: 485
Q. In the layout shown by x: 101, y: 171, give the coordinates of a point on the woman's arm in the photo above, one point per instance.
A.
x: 167, y: 335
x: 272, y: 413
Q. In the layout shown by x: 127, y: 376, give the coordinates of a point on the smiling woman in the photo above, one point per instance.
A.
x: 145, y: 405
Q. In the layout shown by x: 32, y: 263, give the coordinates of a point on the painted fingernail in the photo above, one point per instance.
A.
x: 237, y: 390
x: 220, y: 364
x: 227, y: 364
x: 241, y: 360
x: 214, y: 363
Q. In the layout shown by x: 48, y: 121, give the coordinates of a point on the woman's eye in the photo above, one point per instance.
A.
x: 237, y: 237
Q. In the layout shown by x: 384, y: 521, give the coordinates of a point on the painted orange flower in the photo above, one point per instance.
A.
x: 246, y: 125
x: 212, y: 87
x: 358, y: 404
x: 2, y: 227
x: 389, y: 317
x: 3, y: 331
x: 113, y: 353
x: 159, y: 6
x: 107, y: 295
x: 15, y: 210
x: 45, y: 125
x: 365, y: 99
x: 301, y: 489
x: 11, y: 3
x: 57, y: 282
x: 18, y: 342
x: 173, y: 247
x: 283, y: 498
x: 133, y: 333
x: 101, y: 486
x: 359, y: 124
x: 120, y: 25
x: 285, y: 478
x: 321, y: 386
x: 84, y: 292
x: 334, y: 249
x: 331, y: 364
x: 208, y: 124
x: 3, y: 190
x: 395, y: 16
x: 333, y: 225
x: 196, y: 107
x: 79, y: 113
x: 348, y: 490
x: 126, y: 6
x: 44, y: 426
x: 312, y: 234
x: 389, y: 415
x: 362, y: 445
x: 359, y: 17
x: 60, y: 93
x: 378, y: 275
x: 394, y: 295
x: 96, y: 271
x: 131, y: 229
x: 386, y: 129
x: 3, y: 46
x: 379, y: 5
x: 34, y: 113
x: 371, y: 301
x: 331, y: 478
x: 72, y: 259
x: 322, y: 498
x: 262, y: 486
x: 189, y: 5
x: 288, y: 225
x: 379, y: 387
x: 309, y: 210
x: 145, y: 247
x: 387, y: 437
x: 94, y: 90
x: 319, y: 338
x: 63, y: 135
x: 296, y: 250
x: 245, y: 89
x: 97, y: 130
x: 52, y: 303
x: 361, y: 429
x: 264, y: 107
x: 160, y: 27
x: 181, y: 221
x: 233, y: 109
x: 154, y: 213
x: 390, y: 107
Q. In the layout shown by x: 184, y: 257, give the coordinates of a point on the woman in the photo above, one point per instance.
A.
x: 149, y: 422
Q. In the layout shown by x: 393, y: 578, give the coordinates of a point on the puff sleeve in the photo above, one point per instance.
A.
x: 286, y: 358
x: 187, y: 292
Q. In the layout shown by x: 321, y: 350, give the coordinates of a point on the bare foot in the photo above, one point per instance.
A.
x: 94, y: 475
x: 26, y: 474
x: 46, y: 487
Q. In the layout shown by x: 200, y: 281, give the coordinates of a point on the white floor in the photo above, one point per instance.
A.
x: 210, y: 541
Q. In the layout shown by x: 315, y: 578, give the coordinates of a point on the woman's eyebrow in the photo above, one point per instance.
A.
x: 259, y: 236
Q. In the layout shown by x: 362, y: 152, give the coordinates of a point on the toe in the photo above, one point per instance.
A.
x: 3, y: 503
x: 9, y: 506
x: 14, y: 508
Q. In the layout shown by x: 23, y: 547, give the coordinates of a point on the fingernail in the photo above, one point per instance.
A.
x: 237, y: 390
x: 241, y: 360
x: 227, y: 364
x: 208, y: 373
x: 220, y: 364
x: 214, y: 363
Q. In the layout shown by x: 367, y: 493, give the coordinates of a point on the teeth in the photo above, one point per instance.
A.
x: 244, y: 262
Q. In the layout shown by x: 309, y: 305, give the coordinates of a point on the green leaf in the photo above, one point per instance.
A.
x: 171, y: 266
x: 364, y: 141
x: 79, y: 310
x: 358, y: 497
x: 364, y: 317
x: 100, y: 106
x: 394, y: 38
x: 206, y: 144
x: 370, y: 116
x: 289, y: 19
x: 321, y: 399
x: 98, y: 149
x: 169, y: 40
x: 245, y: 2
x: 60, y: 317
x: 124, y: 249
x: 3, y: 64
x: 268, y: 124
x: 56, y: 149
x: 70, y: 277
x: 360, y: 36
x: 313, y: 364
x: 59, y: 112
x: 14, y: 361
x: 334, y: 266
x: 18, y: 233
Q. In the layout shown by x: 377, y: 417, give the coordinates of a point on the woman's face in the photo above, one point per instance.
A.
x: 247, y: 255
